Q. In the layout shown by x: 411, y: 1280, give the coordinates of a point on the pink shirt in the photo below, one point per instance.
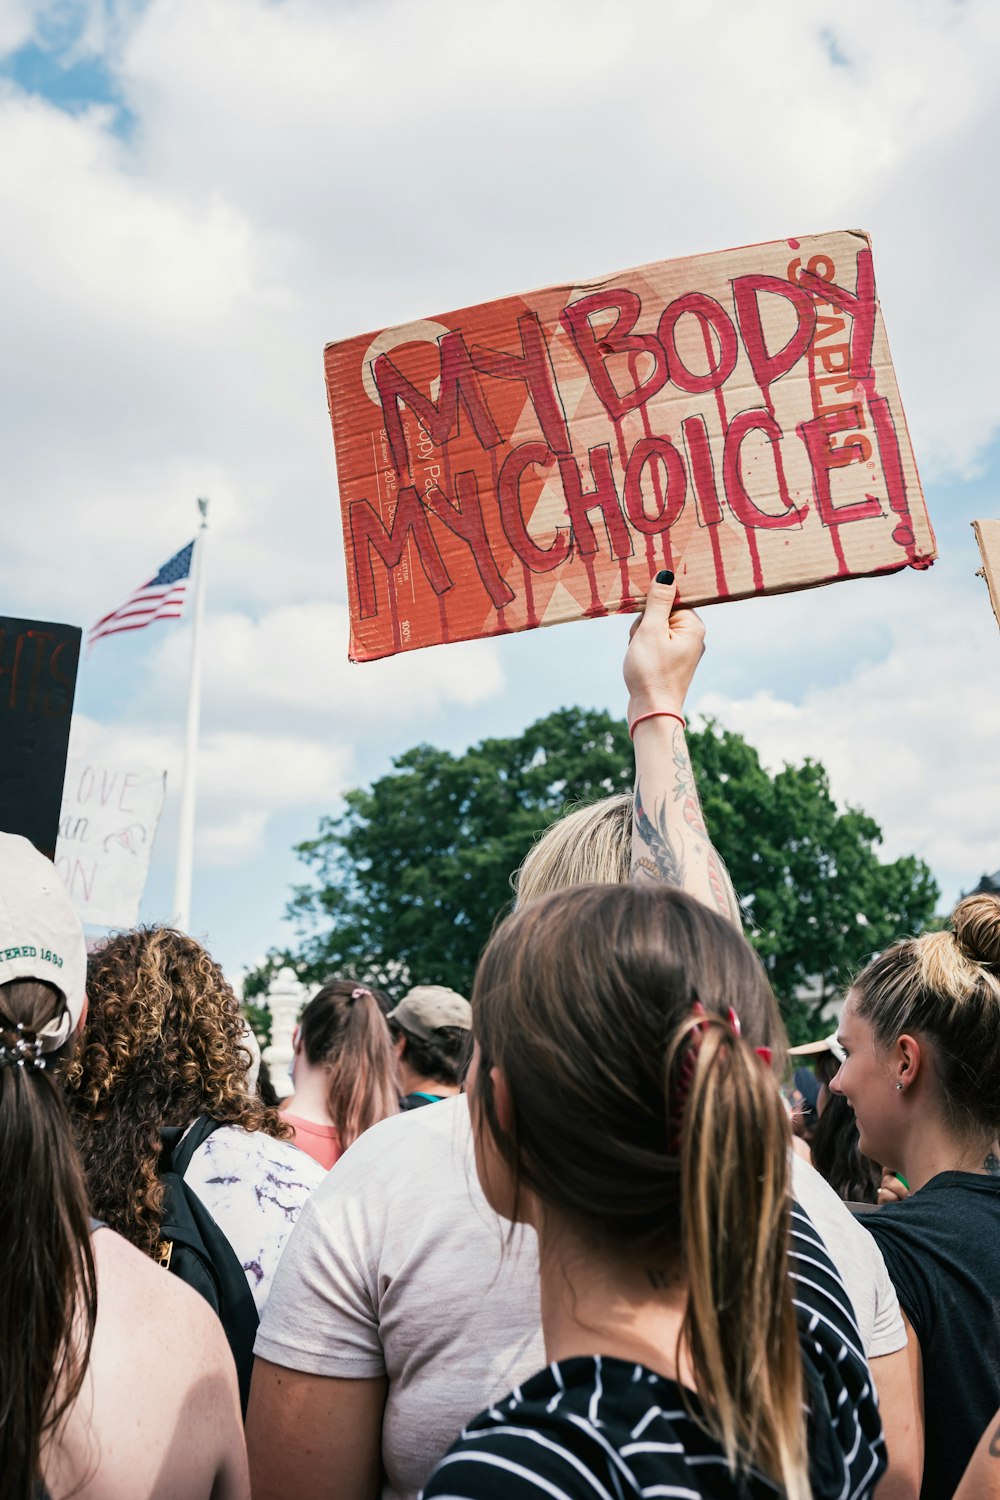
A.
x: 321, y: 1142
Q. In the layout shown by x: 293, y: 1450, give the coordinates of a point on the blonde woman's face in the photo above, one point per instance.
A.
x: 868, y: 1083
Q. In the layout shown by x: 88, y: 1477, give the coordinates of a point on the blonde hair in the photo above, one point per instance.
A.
x: 592, y: 845
x: 947, y: 985
x: 646, y: 1135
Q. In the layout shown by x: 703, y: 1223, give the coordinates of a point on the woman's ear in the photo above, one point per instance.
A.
x: 908, y: 1060
x: 497, y: 1178
x: 297, y: 1040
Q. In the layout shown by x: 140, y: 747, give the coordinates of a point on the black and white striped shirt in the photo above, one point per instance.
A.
x: 598, y: 1428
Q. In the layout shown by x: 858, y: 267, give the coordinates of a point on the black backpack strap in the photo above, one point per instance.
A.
x: 176, y: 1154
x: 209, y: 1263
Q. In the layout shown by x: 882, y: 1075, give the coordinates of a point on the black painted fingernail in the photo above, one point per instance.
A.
x: 664, y: 576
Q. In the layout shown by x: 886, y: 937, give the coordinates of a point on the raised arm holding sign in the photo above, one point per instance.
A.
x: 669, y: 839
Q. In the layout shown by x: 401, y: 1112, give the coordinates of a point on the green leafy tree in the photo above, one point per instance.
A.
x: 410, y: 879
x: 816, y: 898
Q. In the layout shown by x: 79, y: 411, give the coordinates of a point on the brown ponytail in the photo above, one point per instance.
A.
x: 586, y: 1001
x: 740, y: 1327
x: 344, y: 1030
x: 48, y: 1283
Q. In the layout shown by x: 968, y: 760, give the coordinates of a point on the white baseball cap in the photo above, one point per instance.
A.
x: 813, y: 1049
x: 41, y: 936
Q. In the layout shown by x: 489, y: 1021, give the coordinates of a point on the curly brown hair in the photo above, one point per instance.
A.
x: 162, y: 1044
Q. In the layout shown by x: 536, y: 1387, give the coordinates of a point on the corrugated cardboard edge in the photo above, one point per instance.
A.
x: 988, y: 538
x: 357, y: 653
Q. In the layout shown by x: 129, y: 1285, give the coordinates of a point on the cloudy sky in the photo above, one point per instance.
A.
x: 196, y: 195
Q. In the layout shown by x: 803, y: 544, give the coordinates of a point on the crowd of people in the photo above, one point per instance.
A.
x: 576, y: 1238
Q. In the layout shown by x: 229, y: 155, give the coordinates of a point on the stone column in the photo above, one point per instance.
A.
x: 285, y: 999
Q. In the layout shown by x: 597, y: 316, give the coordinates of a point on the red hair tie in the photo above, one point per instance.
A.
x: 764, y: 1053
x: 688, y: 1063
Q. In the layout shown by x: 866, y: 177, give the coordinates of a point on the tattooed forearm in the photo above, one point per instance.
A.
x: 723, y: 894
x: 653, y: 854
x: 684, y: 789
x: 670, y: 843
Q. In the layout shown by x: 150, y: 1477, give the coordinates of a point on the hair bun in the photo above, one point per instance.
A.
x: 976, y: 925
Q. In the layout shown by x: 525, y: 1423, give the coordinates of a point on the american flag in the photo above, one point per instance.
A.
x: 162, y: 598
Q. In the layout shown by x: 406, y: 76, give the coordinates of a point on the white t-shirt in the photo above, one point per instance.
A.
x: 865, y: 1276
x: 398, y: 1267
x: 253, y: 1186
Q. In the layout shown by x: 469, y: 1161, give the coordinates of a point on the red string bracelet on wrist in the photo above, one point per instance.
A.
x: 656, y: 713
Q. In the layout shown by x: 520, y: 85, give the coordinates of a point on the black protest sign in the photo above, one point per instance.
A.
x: 38, y: 663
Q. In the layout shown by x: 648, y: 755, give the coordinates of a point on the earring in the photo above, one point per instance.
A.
x: 899, y: 1085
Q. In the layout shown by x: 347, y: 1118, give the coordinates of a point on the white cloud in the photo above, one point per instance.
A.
x: 301, y: 171
x: 582, y: 138
x: 243, y: 779
x: 911, y: 738
x: 15, y: 24
x: 286, y: 717
x: 292, y: 661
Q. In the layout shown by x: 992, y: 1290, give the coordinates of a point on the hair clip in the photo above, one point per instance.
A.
x: 360, y: 992
x: 765, y: 1054
x: 688, y: 1063
x: 22, y: 1051
x: 685, y: 1076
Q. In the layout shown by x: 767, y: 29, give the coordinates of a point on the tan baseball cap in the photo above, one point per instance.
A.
x: 428, y: 1007
x: 41, y: 936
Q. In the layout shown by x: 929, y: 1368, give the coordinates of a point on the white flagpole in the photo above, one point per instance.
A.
x: 185, y: 836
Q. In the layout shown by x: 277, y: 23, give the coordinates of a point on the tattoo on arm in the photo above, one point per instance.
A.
x: 655, y: 857
x: 725, y: 897
x: 992, y: 1164
x: 685, y: 790
x: 663, y: 861
x: 995, y: 1444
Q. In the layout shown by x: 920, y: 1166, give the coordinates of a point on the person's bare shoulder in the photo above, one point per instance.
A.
x: 159, y: 1366
x: 135, y: 1293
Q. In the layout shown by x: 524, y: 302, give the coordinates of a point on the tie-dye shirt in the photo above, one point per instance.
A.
x: 253, y: 1186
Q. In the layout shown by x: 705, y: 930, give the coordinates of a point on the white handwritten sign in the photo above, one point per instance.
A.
x: 106, y: 831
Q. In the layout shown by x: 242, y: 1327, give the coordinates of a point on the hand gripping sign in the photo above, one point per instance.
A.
x: 734, y: 417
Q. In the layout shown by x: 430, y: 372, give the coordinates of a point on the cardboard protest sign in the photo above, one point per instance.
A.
x: 733, y: 416
x: 988, y: 537
x: 38, y: 663
x: 106, y: 831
